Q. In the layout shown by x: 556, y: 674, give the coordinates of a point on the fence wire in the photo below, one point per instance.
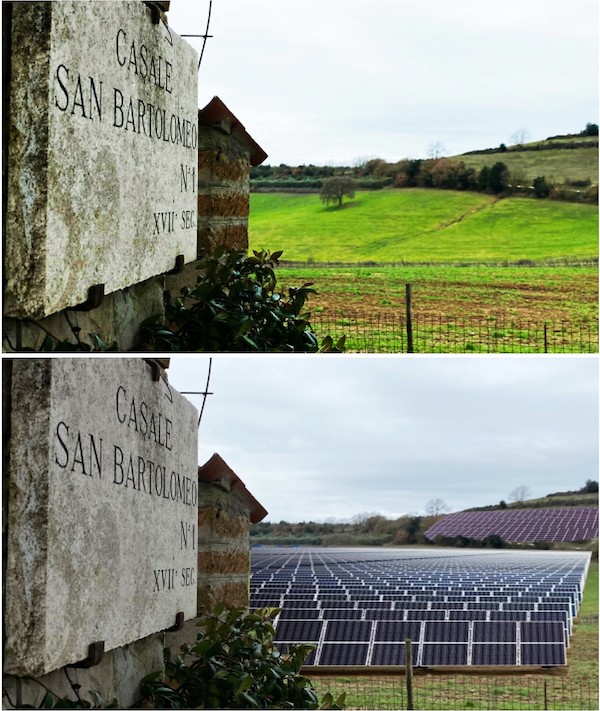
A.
x: 390, y: 333
x: 498, y: 693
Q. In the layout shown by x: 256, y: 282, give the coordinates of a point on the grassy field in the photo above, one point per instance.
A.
x: 421, y: 225
x: 573, y: 687
x: 498, y: 308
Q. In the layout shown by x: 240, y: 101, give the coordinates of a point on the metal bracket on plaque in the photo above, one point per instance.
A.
x: 179, y: 264
x: 158, y: 9
x: 94, y: 299
x: 155, y: 369
x: 179, y: 620
x: 94, y: 657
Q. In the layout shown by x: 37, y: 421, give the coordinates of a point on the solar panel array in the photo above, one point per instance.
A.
x: 521, y: 525
x: 459, y: 608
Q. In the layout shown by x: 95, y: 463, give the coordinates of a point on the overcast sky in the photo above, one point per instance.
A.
x: 333, y: 81
x: 322, y: 437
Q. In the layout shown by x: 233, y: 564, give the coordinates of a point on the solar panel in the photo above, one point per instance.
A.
x: 298, y: 630
x: 342, y: 614
x: 390, y: 654
x: 464, y: 614
x: 344, y: 654
x: 444, y: 655
x: 384, y: 614
x: 446, y: 631
x: 542, y: 632
x: 430, y: 614
x: 348, y: 631
x: 495, y: 632
x: 494, y: 654
x: 299, y: 614
x: 543, y: 654
x: 397, y: 631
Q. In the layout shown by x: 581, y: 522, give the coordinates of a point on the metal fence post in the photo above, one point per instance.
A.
x: 545, y: 337
x: 409, y: 674
x: 409, y: 330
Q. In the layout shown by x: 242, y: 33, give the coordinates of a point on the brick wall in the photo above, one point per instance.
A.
x: 226, y: 509
x: 226, y: 152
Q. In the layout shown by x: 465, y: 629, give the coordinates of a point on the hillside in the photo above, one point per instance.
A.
x: 558, y: 500
x: 571, y: 161
x: 422, y: 225
x: 568, y: 163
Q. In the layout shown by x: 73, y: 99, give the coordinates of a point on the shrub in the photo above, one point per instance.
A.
x: 235, y: 306
x: 235, y: 665
x: 541, y: 189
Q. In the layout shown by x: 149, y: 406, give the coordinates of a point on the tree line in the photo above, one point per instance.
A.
x: 367, y: 529
x: 438, y: 173
x: 435, y: 172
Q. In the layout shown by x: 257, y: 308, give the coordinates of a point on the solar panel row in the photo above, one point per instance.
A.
x: 521, y: 525
x: 393, y: 631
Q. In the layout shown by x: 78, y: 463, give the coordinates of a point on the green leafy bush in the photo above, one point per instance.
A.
x: 235, y: 665
x: 235, y: 306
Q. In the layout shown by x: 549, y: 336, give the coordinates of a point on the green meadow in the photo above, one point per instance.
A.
x: 422, y: 225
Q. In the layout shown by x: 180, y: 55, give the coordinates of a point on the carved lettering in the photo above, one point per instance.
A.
x: 187, y: 535
x: 164, y: 579
x: 83, y: 96
x: 188, y: 178
x: 188, y: 577
x: 150, y: 424
x: 82, y: 452
x: 187, y: 219
x: 142, y: 62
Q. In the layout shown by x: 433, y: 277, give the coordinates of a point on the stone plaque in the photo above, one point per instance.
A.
x: 103, y: 150
x: 102, y: 509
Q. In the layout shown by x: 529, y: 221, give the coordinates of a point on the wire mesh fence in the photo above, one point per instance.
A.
x: 499, y: 693
x: 394, y: 333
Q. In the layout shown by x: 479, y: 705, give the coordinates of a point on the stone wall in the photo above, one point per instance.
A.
x: 119, y: 670
x: 220, y: 181
x: 221, y: 545
x: 117, y: 676
x: 116, y: 319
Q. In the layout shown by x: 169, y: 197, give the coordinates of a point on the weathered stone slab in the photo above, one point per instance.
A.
x: 103, y: 152
x: 102, y: 510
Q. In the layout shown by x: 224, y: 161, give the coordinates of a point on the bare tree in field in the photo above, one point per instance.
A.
x: 435, y: 507
x: 519, y: 494
x: 436, y: 150
x: 520, y: 136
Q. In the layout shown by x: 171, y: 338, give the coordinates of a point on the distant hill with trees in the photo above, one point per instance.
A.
x: 561, y: 167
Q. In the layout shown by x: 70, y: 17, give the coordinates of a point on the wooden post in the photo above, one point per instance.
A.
x: 545, y: 338
x: 409, y: 674
x: 409, y: 331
